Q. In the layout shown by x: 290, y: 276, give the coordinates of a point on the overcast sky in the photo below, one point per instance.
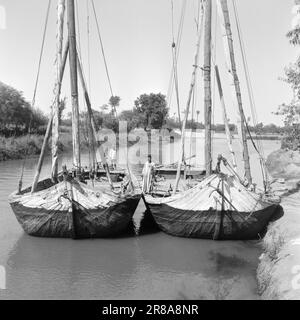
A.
x: 137, y: 40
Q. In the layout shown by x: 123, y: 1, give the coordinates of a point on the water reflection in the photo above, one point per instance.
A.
x: 146, y: 224
x: 58, y: 269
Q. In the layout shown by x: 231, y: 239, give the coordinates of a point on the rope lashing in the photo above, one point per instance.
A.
x: 223, y: 196
x: 228, y: 166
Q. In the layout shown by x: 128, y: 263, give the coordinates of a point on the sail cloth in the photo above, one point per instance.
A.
x: 219, y: 207
x: 204, y: 196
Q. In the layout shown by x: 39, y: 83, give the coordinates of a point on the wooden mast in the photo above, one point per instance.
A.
x: 91, y: 136
x: 57, y: 90
x: 229, y: 51
x: 207, y: 86
x: 92, y: 124
x: 226, y: 123
x: 195, y: 66
x: 49, y: 126
x: 74, y: 85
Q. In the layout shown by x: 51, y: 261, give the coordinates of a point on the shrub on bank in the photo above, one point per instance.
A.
x: 18, y: 147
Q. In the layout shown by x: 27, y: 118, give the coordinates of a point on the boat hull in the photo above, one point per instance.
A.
x: 73, y: 210
x: 215, y: 225
x: 77, y: 223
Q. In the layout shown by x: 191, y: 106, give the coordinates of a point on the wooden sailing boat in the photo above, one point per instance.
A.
x: 64, y: 205
x: 222, y: 206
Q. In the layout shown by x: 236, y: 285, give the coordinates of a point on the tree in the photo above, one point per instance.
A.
x: 291, y: 111
x: 259, y: 128
x: 133, y: 119
x: 16, y: 114
x: 152, y: 110
x: 104, y: 108
x: 114, y: 102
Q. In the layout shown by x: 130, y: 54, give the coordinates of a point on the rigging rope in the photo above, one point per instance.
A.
x: 41, y: 54
x: 259, y: 149
x: 178, y: 44
x: 102, y: 49
x: 78, y: 27
x: 174, y: 57
x: 195, y: 96
x: 84, y: 120
x: 90, y: 142
x: 88, y: 46
x: 82, y: 117
x: 214, y: 58
x: 35, y: 91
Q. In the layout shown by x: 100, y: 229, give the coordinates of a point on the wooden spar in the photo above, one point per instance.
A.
x: 92, y: 123
x: 74, y: 85
x: 42, y: 155
x: 207, y: 86
x: 226, y: 123
x: 229, y: 51
x: 57, y: 90
x: 49, y: 126
x: 195, y: 66
x: 91, y: 136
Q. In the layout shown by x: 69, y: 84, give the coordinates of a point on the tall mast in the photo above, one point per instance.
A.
x: 92, y: 125
x: 192, y: 86
x: 74, y: 84
x: 207, y: 86
x: 57, y: 90
x: 229, y: 51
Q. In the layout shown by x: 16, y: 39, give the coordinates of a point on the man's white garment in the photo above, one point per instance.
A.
x: 147, y: 176
x: 112, y: 155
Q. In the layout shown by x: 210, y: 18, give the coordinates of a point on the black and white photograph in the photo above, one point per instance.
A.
x: 149, y: 151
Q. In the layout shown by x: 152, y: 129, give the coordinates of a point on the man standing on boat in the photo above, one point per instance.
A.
x: 148, y: 173
x: 112, y: 156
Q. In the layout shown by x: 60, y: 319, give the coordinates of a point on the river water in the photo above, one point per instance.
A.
x: 151, y: 265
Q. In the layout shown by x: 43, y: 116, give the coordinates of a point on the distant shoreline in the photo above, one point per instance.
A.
x: 265, y: 137
x: 17, y: 148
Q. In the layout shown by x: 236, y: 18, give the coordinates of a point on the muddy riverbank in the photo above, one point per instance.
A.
x: 278, y: 272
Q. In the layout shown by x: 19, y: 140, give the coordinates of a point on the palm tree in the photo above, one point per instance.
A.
x: 114, y: 102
